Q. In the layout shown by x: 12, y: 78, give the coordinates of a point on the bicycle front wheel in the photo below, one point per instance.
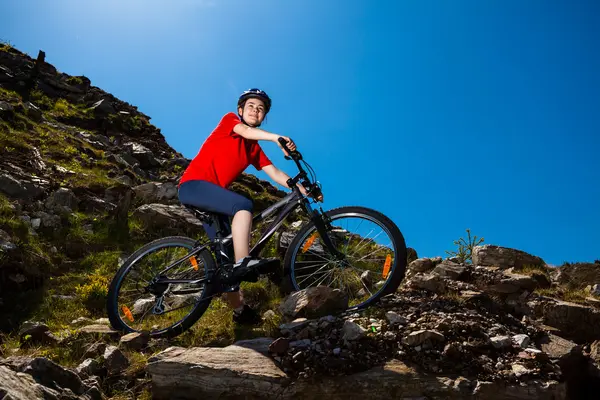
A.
x: 135, y: 303
x: 373, y: 261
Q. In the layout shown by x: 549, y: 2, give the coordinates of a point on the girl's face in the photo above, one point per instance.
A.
x: 253, y: 112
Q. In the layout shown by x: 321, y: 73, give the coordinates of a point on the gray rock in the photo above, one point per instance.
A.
x: 260, y: 345
x: 432, y: 283
x: 556, y: 347
x: 501, y: 342
x: 103, y: 108
x: 353, y: 331
x: 421, y: 265
x: 577, y: 322
x: 114, y: 360
x: 89, y: 367
x: 450, y: 270
x: 395, y: 319
x: 521, y: 340
x: 154, y: 192
x: 419, y: 337
x: 514, y: 283
x: 5, y: 242
x: 47, y: 220
x: 314, y: 302
x: 18, y: 386
x: 300, y: 344
x: 231, y: 371
x: 24, y: 189
x: 62, y: 198
x: 95, y: 349
x: 33, y: 112
x: 156, y: 216
x: 503, y: 257
x: 135, y: 340
x: 142, y: 154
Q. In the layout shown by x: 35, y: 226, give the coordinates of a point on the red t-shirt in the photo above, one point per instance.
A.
x: 225, y: 155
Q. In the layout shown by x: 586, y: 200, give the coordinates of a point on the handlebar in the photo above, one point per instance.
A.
x: 295, y: 155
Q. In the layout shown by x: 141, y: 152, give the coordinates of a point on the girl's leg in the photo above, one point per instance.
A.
x: 213, y: 198
x: 241, y: 226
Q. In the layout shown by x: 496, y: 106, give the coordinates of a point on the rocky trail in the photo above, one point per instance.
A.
x: 85, y: 179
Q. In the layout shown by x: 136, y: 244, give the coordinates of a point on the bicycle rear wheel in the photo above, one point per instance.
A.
x: 135, y: 304
x: 374, y: 256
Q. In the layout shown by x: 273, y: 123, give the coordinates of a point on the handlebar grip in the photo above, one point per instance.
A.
x: 294, y: 154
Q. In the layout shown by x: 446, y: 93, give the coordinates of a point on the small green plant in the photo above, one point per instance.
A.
x: 5, y: 45
x: 70, y: 150
x: 41, y: 100
x: 61, y: 106
x: 465, y: 248
x: 74, y: 80
x: 93, y: 293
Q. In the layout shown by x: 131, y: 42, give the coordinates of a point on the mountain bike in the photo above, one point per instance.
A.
x: 164, y: 287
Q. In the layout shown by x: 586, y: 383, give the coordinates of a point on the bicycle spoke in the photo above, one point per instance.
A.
x: 314, y: 273
x: 310, y: 266
x: 366, y: 244
x: 360, y: 259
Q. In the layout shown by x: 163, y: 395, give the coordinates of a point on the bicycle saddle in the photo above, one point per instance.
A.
x: 203, y: 215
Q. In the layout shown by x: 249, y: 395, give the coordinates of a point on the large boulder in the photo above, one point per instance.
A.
x: 503, y: 257
x: 18, y: 386
x: 577, y: 322
x: 166, y: 216
x: 230, y: 372
x: 314, y: 302
x: 156, y: 192
x: 22, y: 188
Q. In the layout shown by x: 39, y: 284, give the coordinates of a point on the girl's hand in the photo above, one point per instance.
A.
x: 305, y: 193
x: 290, y: 144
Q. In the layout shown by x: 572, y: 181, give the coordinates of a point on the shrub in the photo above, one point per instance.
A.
x: 93, y: 293
x: 465, y: 248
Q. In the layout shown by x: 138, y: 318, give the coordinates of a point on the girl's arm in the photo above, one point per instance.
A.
x: 281, y: 177
x: 251, y: 133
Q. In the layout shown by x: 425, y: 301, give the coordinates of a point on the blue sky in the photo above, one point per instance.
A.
x: 444, y: 115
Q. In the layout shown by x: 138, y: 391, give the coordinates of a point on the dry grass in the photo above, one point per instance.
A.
x: 533, y: 269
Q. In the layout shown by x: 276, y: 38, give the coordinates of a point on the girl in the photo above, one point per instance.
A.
x: 226, y: 153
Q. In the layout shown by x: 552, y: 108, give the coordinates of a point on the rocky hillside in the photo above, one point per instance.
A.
x: 85, y: 179
x: 82, y: 173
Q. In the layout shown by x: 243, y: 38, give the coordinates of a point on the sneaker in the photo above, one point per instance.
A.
x: 247, y: 316
x: 249, y: 268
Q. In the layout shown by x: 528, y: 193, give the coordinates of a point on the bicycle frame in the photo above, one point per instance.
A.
x: 222, y: 245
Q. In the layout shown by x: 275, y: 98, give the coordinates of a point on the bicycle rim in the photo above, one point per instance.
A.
x: 370, y: 258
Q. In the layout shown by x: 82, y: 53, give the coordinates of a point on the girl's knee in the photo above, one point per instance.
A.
x: 243, y: 205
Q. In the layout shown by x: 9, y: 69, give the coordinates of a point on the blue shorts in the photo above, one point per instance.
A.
x: 212, y: 198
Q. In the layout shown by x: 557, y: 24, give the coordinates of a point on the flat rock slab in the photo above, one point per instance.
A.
x: 229, y: 372
x: 103, y: 331
x: 18, y: 386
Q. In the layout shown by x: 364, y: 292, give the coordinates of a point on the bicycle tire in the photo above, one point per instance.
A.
x: 397, y: 270
x: 182, y: 325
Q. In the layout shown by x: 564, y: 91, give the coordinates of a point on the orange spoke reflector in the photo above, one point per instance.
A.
x: 309, y: 242
x: 194, y: 262
x: 387, y: 265
x: 127, y: 313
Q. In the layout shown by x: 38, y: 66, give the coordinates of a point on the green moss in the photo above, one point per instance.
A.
x: 74, y: 80
x: 41, y: 100
x: 9, y: 95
